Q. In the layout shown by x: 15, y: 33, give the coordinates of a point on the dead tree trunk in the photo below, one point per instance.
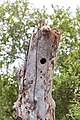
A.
x: 35, y: 99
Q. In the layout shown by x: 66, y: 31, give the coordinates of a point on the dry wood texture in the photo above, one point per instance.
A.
x: 35, y: 99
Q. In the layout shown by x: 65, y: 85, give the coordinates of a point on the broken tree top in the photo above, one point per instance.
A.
x: 48, y: 37
x: 35, y: 86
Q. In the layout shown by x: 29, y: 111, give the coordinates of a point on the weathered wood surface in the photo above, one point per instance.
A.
x: 35, y: 99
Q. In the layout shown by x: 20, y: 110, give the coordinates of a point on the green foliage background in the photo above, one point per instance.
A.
x: 16, y: 23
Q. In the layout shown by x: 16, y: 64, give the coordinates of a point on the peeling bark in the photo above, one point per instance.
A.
x: 35, y: 87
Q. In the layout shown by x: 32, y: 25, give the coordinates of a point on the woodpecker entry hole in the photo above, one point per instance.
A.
x: 43, y: 61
